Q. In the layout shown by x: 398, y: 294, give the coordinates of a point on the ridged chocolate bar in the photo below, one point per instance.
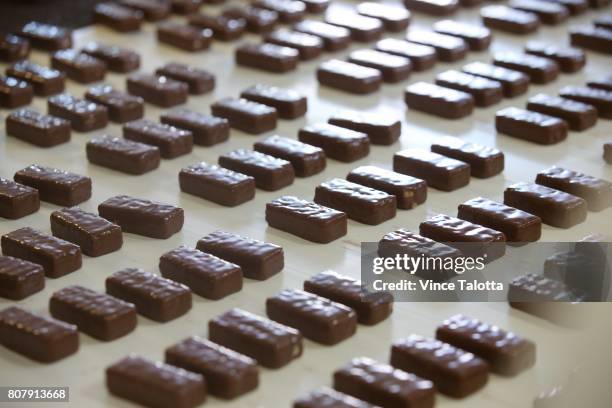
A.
x: 578, y: 115
x: 440, y: 172
x: 569, y: 59
x: 540, y: 70
x: 36, y: 128
x: 439, y: 101
x: 123, y: 155
x: 199, y: 80
x: 117, y: 17
x: 514, y: 82
x: 158, y: 90
x: 394, y: 18
x: 56, y: 186
x: 84, y: 115
x: 117, y: 59
x: 447, y: 47
x: 381, y: 130
x: 45, y: 81
x: 337, y: 142
x: 217, y: 184
x: 267, y: 57
x: 484, y: 161
x: 20, y: 279
x: 349, y: 77
x: 270, y: 173
x: 170, y: 141
x: 289, y: 104
x: 185, y: 37
x: 478, y: 38
x: 79, y: 67
x: 513, y: 21
x: 248, y: 116
x: 309, y: 46
x: 486, y: 92
x: 307, y: 160
x: 207, y: 130
x: 17, y: 200
x: 422, y: 57
x: 46, y: 37
x: 122, y: 107
x: 334, y: 38
x: 531, y: 126
x: 393, y: 68
x: 599, y: 98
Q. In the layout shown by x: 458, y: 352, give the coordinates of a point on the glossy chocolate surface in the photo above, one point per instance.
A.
x: 217, y: 184
x: 56, y: 186
x: 117, y: 59
x: 46, y: 37
x: 540, y: 70
x: 258, y: 20
x: 362, y: 28
x: 432, y: 7
x: 171, y: 142
x: 393, y: 68
x: 289, y: 104
x: 440, y: 172
x: 422, y: 57
x: 207, y: 130
x: 121, y: 106
x: 78, y: 66
x: 548, y: 12
x: 439, y: 101
x: 14, y: 92
x: 531, y: 126
x: 327, y: 398
x: 248, y: 116
x: 288, y: 11
x: 478, y: 38
x: 84, y: 115
x: 485, y: 91
x: 153, y: 10
x: 337, y: 142
x: 309, y: 46
x: 601, y: 99
x: 569, y: 59
x: 17, y: 200
x: 513, y: 21
x: 36, y: 128
x: 349, y: 77
x: 158, y: 90
x: 13, y: 48
x: 306, y: 159
x: 185, y: 37
x: 123, y: 155
x: 334, y: 38
x: 447, y: 47
x: 484, y: 161
x: 270, y: 173
x: 578, y: 115
x: 514, y: 82
x: 267, y: 57
x: 20, y: 279
x: 394, y: 18
x: 45, y: 81
x: 118, y: 17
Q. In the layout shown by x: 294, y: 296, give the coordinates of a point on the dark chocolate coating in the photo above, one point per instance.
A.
x: 117, y: 17
x: 270, y: 173
x: 393, y: 68
x: 46, y: 37
x: 334, y: 38
x: 306, y: 219
x: 422, y: 57
x: 117, y: 59
x: 316, y: 6
x: 478, y: 38
x: 603, y: 21
x: 45, y: 81
x: 121, y: 106
x: 513, y: 82
x: 36, y: 128
x: 506, y: 353
x: 207, y: 130
x: 454, y: 372
x: 223, y: 27
x: 349, y: 77
x: 307, y: 160
x: 288, y: 11
x: 84, y: 115
x: 170, y: 141
x: 432, y: 7
x: 205, y: 274
x: 362, y: 28
x: 95, y: 235
x: 154, y: 384
x: 17, y: 200
x: 360, y: 203
x: 20, y: 279
x: 440, y: 172
x: 123, y: 155
x: 158, y: 90
x: 259, y: 260
x: 518, y: 226
x: 247, y: 116
x: 381, y: 130
x: 258, y: 20
x: 199, y: 80
x: 37, y: 337
x: 599, y: 98
x: 289, y: 104
x: 153, y: 10
x: 604, y: 83
x: 217, y: 184
x: 228, y: 374
x: 79, y: 67
x: 484, y: 161
x: 540, y: 70
x: 13, y: 48
x: 548, y: 13
x: 371, y: 307
x: 447, y: 47
x: 56, y: 186
x: 531, y: 126
x: 510, y: 20
x: 308, y: 45
x: 575, y: 7
x: 439, y: 101
x: 394, y: 18
x: 578, y: 115
x: 486, y: 92
x: 185, y: 37
x: 328, y: 398
x: 267, y: 57
x: 272, y: 344
x: 337, y: 142
x: 185, y: 6
x: 56, y: 256
x: 14, y: 93
x: 569, y: 59
x: 554, y: 207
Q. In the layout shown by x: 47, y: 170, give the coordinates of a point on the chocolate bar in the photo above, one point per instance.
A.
x: 392, y: 67
x: 349, y: 77
x: 56, y: 256
x: 289, y: 11
x: 37, y: 337
x: 205, y: 274
x: 575, y: 7
x: 199, y: 81
x: 486, y: 92
x: 360, y: 203
x: 117, y: 59
x: 510, y: 20
x: 447, y: 47
x: 484, y: 161
x: 267, y: 57
x: 394, y: 18
x: 153, y: 10
x: 540, y: 70
x: 46, y: 37
x: 440, y: 172
x: 217, y: 184
x: 513, y: 82
x: 338, y: 143
x: 36, y: 128
x: 306, y: 219
x: 158, y: 90
x: 56, y: 186
x: 554, y: 207
x: 334, y: 38
x: 170, y: 141
x: 599, y: 98
x: 518, y: 226
x: 316, y: 6
x: 381, y: 130
x: 383, y: 385
x: 306, y: 159
x: 123, y: 155
x: 569, y: 59
x: 408, y: 191
x: 604, y: 21
x: 454, y: 372
x: 17, y: 200
x: 531, y: 126
x: 13, y: 48
x: 548, y: 12
x: 272, y: 344
x: 207, y: 130
x: 604, y: 83
x: 15, y: 92
x: 270, y: 173
x: 477, y: 38
x: 79, y: 67
x: 258, y: 20
x: 223, y: 27
x: 437, y: 100
x: 432, y: 7
x: 20, y: 279
x: 228, y: 374
x: 596, y: 192
x: 326, y: 397
x: 506, y: 352
x: 185, y: 37
x: 45, y: 81
x: 578, y: 115
x: 150, y: 383
x: 308, y: 45
x: 317, y: 318
x: 117, y: 17
x: 422, y: 57
x: 83, y: 115
x: 362, y: 28
x: 258, y: 260
x: 371, y: 307
x: 289, y: 104
x: 121, y: 106
x: 248, y: 116
x: 157, y: 298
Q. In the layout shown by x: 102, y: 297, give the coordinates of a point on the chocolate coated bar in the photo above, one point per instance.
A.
x: 56, y: 186
x: 540, y: 70
x: 394, y: 18
x: 393, y: 68
x: 123, y: 155
x: 46, y: 37
x: 257, y: 20
x: 432, y: 7
x: 153, y: 10
x: 207, y: 130
x: 334, y: 38
x: 185, y: 37
x: 158, y: 90
x: 45, y: 81
x: 270, y: 173
x: 117, y: 59
x: 379, y: 128
x: 362, y: 28
x: 217, y: 184
x: 592, y: 38
x: 506, y: 19
x: 437, y: 100
x: 121, y: 106
x: 79, y: 67
x: 514, y: 82
x: 13, y: 48
x: 308, y: 45
x: 486, y: 92
x: 531, y: 126
x: 569, y: 59
x: 84, y: 115
x: 422, y: 57
x: 248, y: 116
x: 289, y: 11
x: 326, y: 397
x: 548, y: 12
x: 601, y: 99
x: 440, y: 172
x: 36, y: 128
x: 338, y: 143
x: 199, y: 80
x: 17, y: 200
x: 170, y: 141
x: 578, y: 115
x: 349, y: 77
x: 484, y: 161
x: 267, y: 57
x: 20, y: 279
x: 14, y: 92
x: 306, y: 159
x: 477, y: 38
x: 447, y: 47
x: 289, y: 104
x: 118, y: 17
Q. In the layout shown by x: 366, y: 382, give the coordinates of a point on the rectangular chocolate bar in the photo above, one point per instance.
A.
x: 383, y: 385
x: 289, y: 104
x: 518, y: 226
x: 381, y: 129
x: 37, y: 337
x: 17, y: 200
x: 45, y: 81
x: 272, y: 344
x: 152, y: 10
x: 97, y: 314
x: 437, y: 100
x: 207, y: 130
x: 506, y: 352
x: 267, y: 57
x: 337, y: 142
x: 334, y: 38
x: 569, y: 59
x: 248, y: 116
x: 447, y: 47
x: 554, y: 207
x: 514, y: 82
x: 20, y: 279
x: 596, y: 192
x: 575, y: 7
x: 154, y: 384
x: 259, y: 260
x: 117, y: 17
x: 121, y: 107
x: 199, y: 80
x: 46, y: 37
x: 79, y: 67
x: 306, y: 219
x: 117, y: 59
x: 472, y: 239
x: 326, y: 397
x: 183, y: 36
x: 454, y: 372
x: 371, y: 307
x: 486, y: 92
x: 316, y: 6
x: 362, y: 28
x: 205, y: 274
x: 258, y: 20
x: 56, y: 186
x: 478, y: 38
x: 84, y: 115
x: 393, y: 68
x: 349, y: 77
x: 270, y: 173
x: 123, y: 155
x: 36, y: 128
x: 170, y: 141
x: 599, y: 98
x: 217, y: 184
x: 408, y: 191
x: 440, y: 172
x: 394, y: 18
x: 604, y: 83
x: 540, y: 70
x: 531, y: 126
x: 360, y: 203
x: 307, y: 160
x: 592, y: 38
x: 13, y: 48
x: 223, y: 27
x: 317, y: 318
x: 510, y: 20
x: 422, y: 57
x: 158, y: 90
x: 309, y: 46
x: 228, y: 374
x: 578, y: 115
x: 289, y: 11
x: 548, y: 12
x: 143, y: 217
x: 15, y: 92
x: 157, y: 298
x: 484, y: 161
x: 95, y: 235
x: 432, y: 7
